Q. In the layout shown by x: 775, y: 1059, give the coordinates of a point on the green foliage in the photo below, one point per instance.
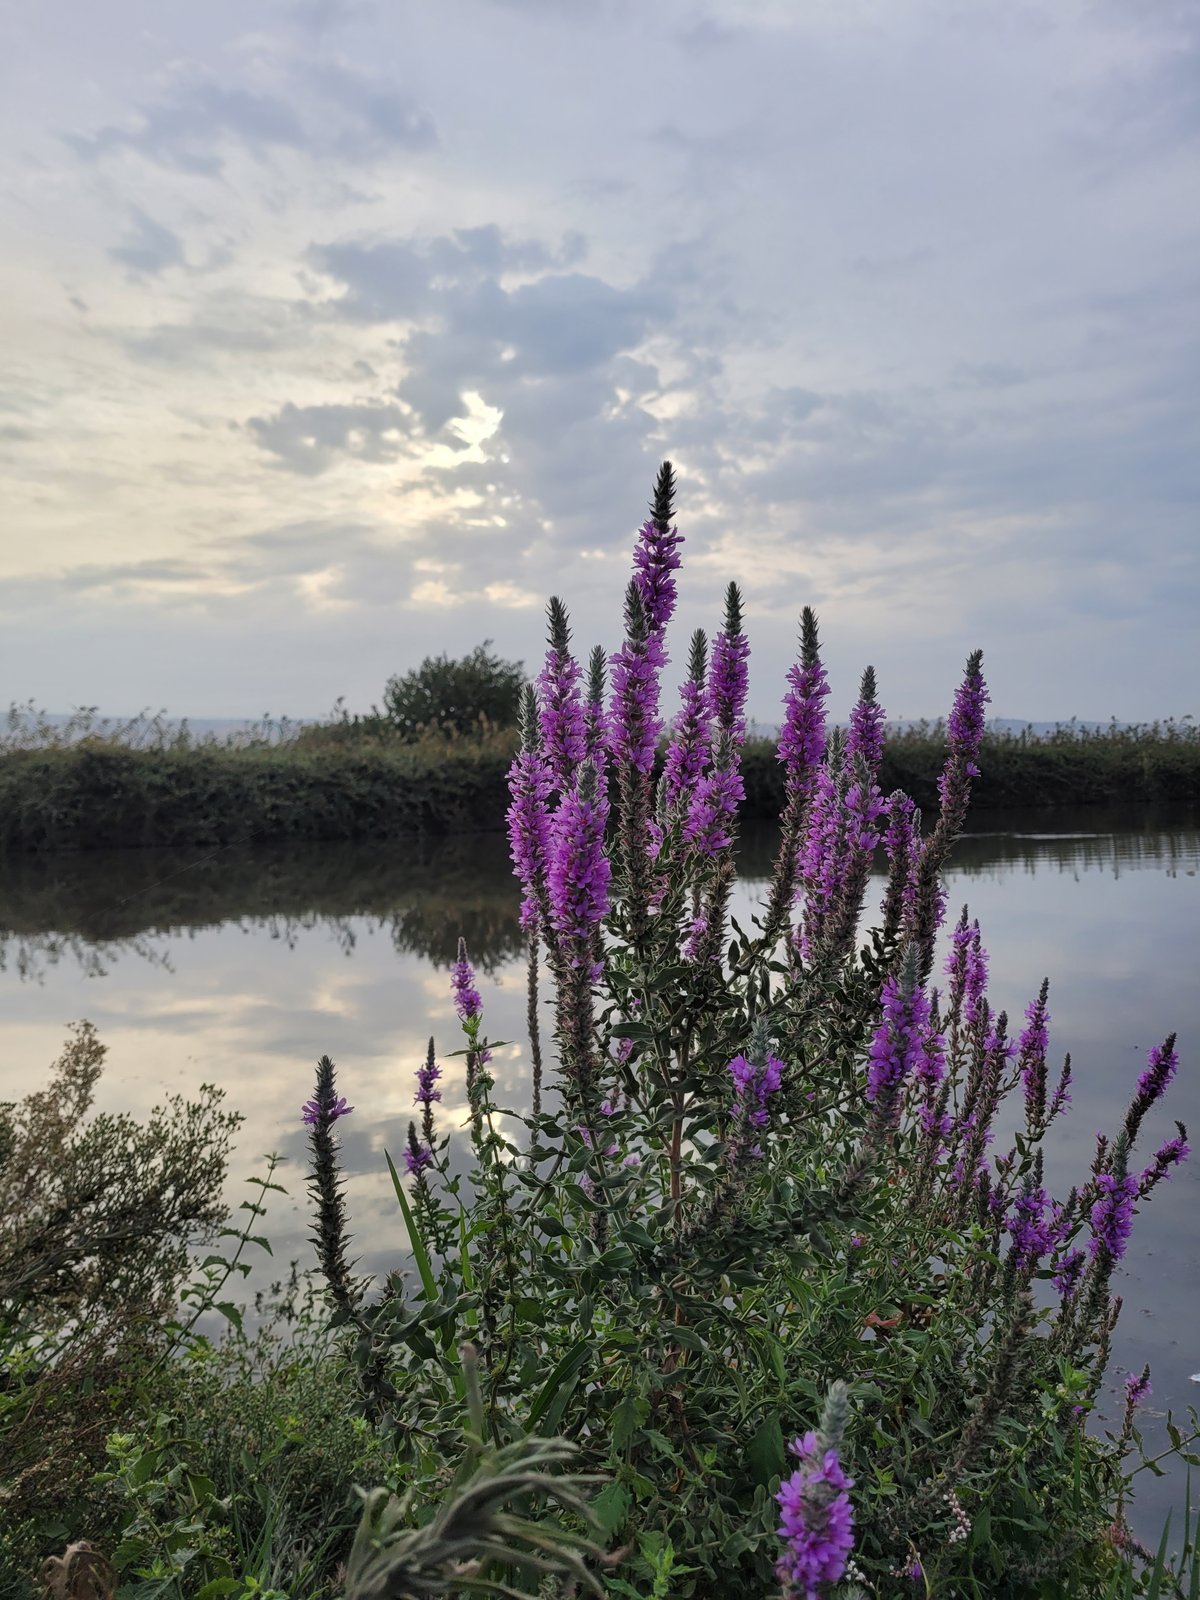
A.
x: 89, y: 798
x: 478, y: 692
x: 98, y: 1215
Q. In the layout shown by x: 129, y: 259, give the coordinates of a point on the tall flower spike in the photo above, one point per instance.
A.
x: 595, y: 716
x: 579, y: 868
x: 563, y: 726
x: 325, y: 1180
x: 688, y: 751
x: 816, y: 1517
x: 1031, y: 1058
x: 528, y: 815
x: 729, y: 675
x: 964, y: 734
x: 802, y: 737
x: 898, y: 1045
x: 634, y: 724
x: 902, y: 843
x: 656, y: 556
x: 1161, y: 1066
x: 866, y: 725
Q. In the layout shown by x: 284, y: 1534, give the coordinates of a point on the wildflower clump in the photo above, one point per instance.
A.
x: 763, y: 1158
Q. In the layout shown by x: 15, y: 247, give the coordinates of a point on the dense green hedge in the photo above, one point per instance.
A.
x: 97, y: 795
x: 84, y: 797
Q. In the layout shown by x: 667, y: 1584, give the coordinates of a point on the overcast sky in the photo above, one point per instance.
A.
x: 336, y: 333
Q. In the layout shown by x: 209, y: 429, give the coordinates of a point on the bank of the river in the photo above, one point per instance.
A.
x: 104, y: 795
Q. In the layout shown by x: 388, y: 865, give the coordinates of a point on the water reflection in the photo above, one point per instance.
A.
x: 94, y: 908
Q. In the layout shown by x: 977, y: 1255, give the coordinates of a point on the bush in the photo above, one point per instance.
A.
x: 757, y: 1201
x: 97, y: 1218
x: 454, y: 698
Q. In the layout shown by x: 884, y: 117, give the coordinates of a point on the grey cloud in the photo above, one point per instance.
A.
x: 150, y: 249
x: 185, y: 130
x: 308, y: 439
x: 348, y: 114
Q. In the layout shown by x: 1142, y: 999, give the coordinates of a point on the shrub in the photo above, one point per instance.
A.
x: 455, y: 697
x: 98, y: 1215
x: 758, y: 1199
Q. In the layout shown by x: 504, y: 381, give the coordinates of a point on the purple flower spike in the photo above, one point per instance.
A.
x: 416, y: 1160
x: 579, y: 869
x: 753, y: 1087
x: 528, y: 815
x: 816, y: 1521
x: 900, y: 1045
x: 688, y: 751
x: 710, y: 817
x: 563, y: 720
x: 427, y: 1076
x: 1068, y: 1270
x: 633, y: 723
x: 1137, y: 1388
x: 311, y: 1110
x: 1112, y: 1214
x: 1031, y: 1230
x: 802, y: 737
x: 1166, y: 1158
x: 729, y: 678
x: 468, y: 1002
x: 655, y: 558
x: 866, y: 725
x: 964, y: 735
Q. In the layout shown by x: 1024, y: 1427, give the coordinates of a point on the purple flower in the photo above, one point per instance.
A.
x: 816, y: 1521
x: 866, y: 725
x: 728, y: 678
x: 311, y: 1110
x: 655, y: 558
x: 563, y: 722
x: 693, y: 945
x: 579, y: 870
x: 1161, y: 1067
x: 1067, y: 1271
x: 416, y: 1159
x: 1031, y: 1230
x: 900, y: 1044
x: 712, y: 809
x: 633, y: 723
x: 753, y: 1087
x: 966, y: 968
x: 1167, y: 1156
x: 1112, y: 1214
x: 902, y: 842
x: 1137, y: 1388
x: 528, y: 816
x: 689, y: 747
x: 964, y: 734
x: 427, y: 1076
x: 802, y: 737
x: 468, y: 1002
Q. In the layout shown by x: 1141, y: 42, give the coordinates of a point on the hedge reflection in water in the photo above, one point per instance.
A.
x: 98, y: 907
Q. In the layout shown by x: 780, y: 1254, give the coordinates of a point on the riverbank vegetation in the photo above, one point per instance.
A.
x: 763, y: 1292
x: 355, y: 778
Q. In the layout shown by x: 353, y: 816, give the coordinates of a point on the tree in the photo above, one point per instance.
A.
x: 455, y: 697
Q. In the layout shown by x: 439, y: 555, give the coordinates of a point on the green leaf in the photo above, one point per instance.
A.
x: 420, y: 1254
x: 766, y: 1455
x: 611, y: 1507
x: 558, y: 1386
x: 230, y: 1312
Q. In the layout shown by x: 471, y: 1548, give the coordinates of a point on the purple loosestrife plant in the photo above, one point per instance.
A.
x: 563, y: 718
x: 692, y: 1237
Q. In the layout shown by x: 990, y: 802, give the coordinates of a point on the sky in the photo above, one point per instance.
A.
x: 337, y: 334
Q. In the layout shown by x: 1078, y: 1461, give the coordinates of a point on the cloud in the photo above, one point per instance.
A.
x: 309, y: 439
x: 323, y: 108
x: 150, y: 249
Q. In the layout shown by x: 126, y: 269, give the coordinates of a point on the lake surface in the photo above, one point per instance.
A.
x: 241, y: 969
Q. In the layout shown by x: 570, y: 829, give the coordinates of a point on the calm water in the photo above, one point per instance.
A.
x: 241, y: 969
